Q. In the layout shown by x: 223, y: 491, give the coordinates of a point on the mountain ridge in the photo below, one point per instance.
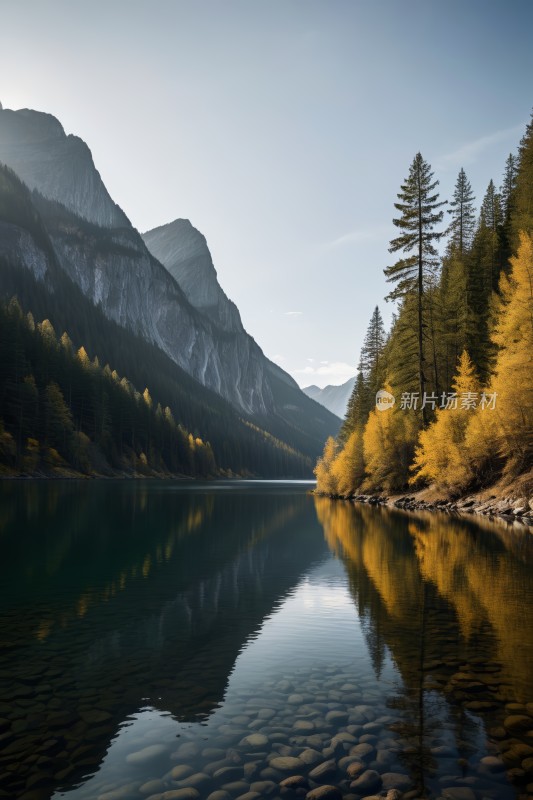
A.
x: 59, y: 165
x: 333, y: 397
x: 115, y: 270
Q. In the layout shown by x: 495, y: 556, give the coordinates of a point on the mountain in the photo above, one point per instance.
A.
x: 184, y: 252
x: 93, y: 244
x: 334, y: 398
x: 61, y: 167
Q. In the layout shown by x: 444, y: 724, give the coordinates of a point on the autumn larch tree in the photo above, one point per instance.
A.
x: 419, y: 208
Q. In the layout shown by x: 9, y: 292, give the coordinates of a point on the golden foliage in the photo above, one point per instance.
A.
x: 440, y: 456
x: 511, y: 423
x: 348, y: 468
x: 326, y: 481
x: 388, y: 444
x: 465, y: 442
x: 480, y: 581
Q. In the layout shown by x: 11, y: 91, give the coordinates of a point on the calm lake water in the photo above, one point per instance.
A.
x: 182, y: 640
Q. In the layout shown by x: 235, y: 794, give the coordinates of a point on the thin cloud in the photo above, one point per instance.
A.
x: 359, y: 235
x: 471, y: 151
x: 338, y: 371
x: 293, y: 313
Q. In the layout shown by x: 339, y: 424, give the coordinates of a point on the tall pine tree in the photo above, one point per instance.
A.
x: 419, y: 207
x: 483, y: 274
x: 463, y: 217
x: 369, y: 377
x: 508, y: 202
x: 522, y: 213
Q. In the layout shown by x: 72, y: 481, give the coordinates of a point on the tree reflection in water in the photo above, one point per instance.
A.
x: 451, y: 600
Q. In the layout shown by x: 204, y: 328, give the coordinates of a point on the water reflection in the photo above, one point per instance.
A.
x: 452, y: 602
x: 149, y: 629
x: 116, y: 596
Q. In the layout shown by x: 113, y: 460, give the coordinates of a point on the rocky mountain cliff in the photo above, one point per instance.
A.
x: 183, y: 250
x: 334, y: 398
x: 61, y: 167
x: 180, y: 308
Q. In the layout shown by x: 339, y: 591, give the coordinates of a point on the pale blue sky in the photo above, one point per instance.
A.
x: 282, y: 129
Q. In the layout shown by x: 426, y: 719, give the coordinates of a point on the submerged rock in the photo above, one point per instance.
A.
x: 324, y: 793
x: 369, y: 781
x: 286, y: 763
x: 323, y: 772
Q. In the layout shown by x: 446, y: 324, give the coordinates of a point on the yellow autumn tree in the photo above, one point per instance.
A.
x: 507, y: 430
x: 440, y: 457
x: 83, y: 358
x: 388, y: 445
x: 348, y: 468
x: 148, y: 398
x: 325, y: 479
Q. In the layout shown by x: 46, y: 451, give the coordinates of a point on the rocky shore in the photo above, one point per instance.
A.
x: 506, y: 508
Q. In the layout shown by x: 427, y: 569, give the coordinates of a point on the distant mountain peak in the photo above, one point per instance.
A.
x: 173, y: 301
x: 183, y: 250
x: 334, y: 398
x: 35, y: 146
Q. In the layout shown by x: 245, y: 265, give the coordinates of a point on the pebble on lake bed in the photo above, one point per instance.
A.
x: 324, y: 793
x: 286, y: 763
x: 181, y: 794
x: 323, y: 772
x: 254, y: 740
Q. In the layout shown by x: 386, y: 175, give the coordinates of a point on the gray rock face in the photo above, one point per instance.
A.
x: 184, y: 252
x: 17, y: 245
x: 35, y: 146
x: 179, y: 306
x: 114, y: 269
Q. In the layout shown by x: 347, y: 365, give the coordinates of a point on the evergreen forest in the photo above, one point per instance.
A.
x: 458, y: 356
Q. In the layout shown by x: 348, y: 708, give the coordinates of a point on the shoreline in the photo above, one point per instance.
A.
x: 507, y: 503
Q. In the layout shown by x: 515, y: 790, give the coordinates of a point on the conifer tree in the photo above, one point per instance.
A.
x: 508, y: 186
x: 357, y: 409
x: 452, y: 295
x: 373, y: 344
x: 483, y: 271
x: 418, y: 206
x: 508, y: 203
x: 57, y: 418
x: 491, y: 222
x: 522, y: 211
x: 369, y: 377
x: 454, y: 314
x: 461, y: 228
x: 401, y: 350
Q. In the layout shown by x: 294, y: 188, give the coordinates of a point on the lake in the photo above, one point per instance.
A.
x: 175, y: 641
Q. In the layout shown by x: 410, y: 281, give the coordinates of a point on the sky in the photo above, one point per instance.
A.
x: 283, y: 130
